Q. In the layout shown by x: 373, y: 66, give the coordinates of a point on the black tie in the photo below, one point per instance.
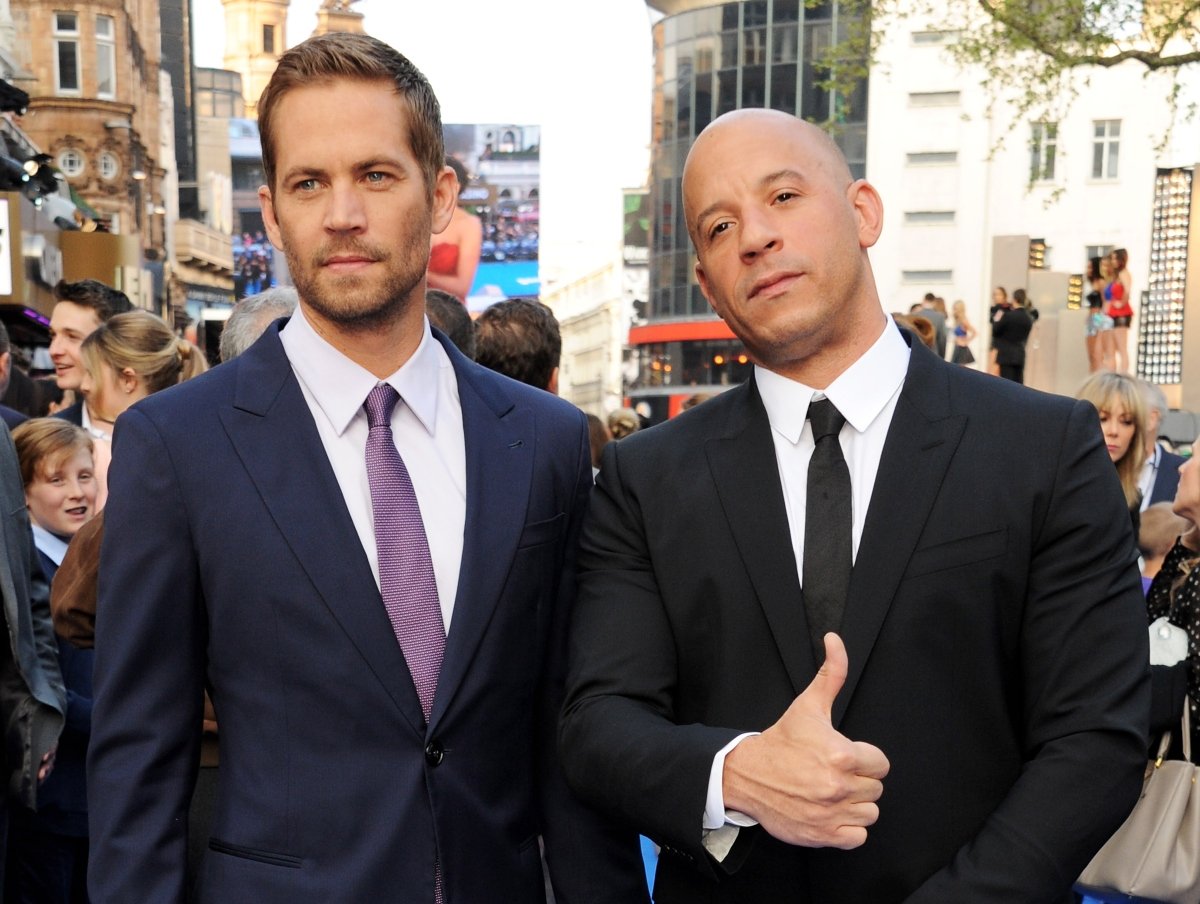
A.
x: 827, y: 527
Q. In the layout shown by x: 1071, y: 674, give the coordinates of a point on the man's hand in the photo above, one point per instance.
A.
x: 46, y: 766
x: 804, y: 782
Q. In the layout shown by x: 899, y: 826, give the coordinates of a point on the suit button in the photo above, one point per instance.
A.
x: 434, y: 753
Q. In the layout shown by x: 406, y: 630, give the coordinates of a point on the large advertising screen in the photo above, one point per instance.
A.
x: 502, y: 162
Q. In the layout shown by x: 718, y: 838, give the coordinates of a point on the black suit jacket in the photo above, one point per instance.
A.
x: 994, y: 624
x: 231, y: 561
x: 1166, y: 478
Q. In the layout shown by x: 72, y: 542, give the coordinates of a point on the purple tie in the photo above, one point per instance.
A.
x: 406, y: 579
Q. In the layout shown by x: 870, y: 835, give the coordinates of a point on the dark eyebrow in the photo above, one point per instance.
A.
x: 765, y: 181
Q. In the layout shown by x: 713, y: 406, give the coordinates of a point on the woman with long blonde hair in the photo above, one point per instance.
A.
x: 1122, y: 407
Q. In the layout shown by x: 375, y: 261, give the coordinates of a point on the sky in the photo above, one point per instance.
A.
x: 580, y: 70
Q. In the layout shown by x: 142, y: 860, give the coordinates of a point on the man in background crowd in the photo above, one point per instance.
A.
x: 81, y: 307
x: 448, y: 314
x: 520, y: 339
x: 251, y: 316
x: 1160, y: 473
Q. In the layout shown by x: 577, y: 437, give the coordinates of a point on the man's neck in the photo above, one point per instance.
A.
x: 381, y: 350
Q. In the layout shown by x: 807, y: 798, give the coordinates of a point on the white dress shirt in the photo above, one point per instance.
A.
x: 427, y: 426
x: 50, y: 545
x: 866, y: 394
x: 1149, y: 474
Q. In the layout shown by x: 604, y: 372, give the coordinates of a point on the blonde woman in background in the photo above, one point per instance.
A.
x: 127, y: 358
x: 1122, y: 407
x: 964, y: 332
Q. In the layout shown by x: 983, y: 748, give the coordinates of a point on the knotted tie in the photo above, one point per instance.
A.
x: 827, y: 527
x: 406, y: 578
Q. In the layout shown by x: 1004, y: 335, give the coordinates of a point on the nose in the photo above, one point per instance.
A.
x: 345, y: 212
x: 758, y: 234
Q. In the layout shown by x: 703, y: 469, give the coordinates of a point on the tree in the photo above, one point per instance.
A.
x: 1033, y: 54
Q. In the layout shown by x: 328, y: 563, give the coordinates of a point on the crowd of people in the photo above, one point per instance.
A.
x: 368, y: 613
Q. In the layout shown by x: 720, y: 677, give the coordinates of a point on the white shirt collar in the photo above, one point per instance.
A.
x: 52, y: 545
x: 340, y: 386
x: 860, y: 392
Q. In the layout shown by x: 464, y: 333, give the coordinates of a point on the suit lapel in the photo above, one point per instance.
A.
x: 272, y: 430
x: 746, y: 475
x: 920, y: 443
x: 500, y: 439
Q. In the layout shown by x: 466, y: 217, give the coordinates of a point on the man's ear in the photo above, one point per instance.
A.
x: 266, y: 202
x: 869, y: 208
x: 552, y: 383
x: 445, y: 197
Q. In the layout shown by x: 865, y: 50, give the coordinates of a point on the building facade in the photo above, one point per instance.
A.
x: 95, y: 92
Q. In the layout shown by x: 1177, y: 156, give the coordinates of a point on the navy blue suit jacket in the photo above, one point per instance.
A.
x: 230, y: 559
x: 1166, y: 479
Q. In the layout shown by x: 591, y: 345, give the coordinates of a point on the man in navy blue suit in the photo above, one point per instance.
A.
x: 1160, y: 473
x: 248, y: 552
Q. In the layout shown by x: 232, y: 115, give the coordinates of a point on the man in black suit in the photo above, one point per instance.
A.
x: 1160, y: 473
x: 1010, y: 334
x: 978, y: 726
x: 81, y: 307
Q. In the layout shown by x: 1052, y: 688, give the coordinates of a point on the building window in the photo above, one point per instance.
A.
x: 71, y: 162
x: 66, y: 53
x: 268, y: 39
x: 106, y: 58
x: 932, y: 158
x: 109, y: 166
x: 927, y: 276
x: 927, y: 38
x: 933, y: 99
x: 1106, y: 147
x: 1043, y: 146
x: 928, y: 217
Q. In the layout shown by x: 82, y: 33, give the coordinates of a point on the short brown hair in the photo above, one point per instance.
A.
x: 339, y: 55
x: 91, y: 293
x: 519, y: 338
x: 44, y: 442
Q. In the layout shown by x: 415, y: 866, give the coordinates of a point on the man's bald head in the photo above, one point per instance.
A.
x: 822, y: 152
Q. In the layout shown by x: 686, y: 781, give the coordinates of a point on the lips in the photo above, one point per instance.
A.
x: 774, y: 283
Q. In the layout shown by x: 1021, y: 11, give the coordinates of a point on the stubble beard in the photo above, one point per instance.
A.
x: 354, y: 303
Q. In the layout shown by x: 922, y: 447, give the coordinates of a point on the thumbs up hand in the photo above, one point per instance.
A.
x: 801, y: 780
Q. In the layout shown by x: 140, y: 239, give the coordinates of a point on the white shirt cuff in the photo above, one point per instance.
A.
x: 720, y: 826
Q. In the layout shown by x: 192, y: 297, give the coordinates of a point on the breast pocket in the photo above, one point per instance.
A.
x: 959, y: 552
x: 538, y: 532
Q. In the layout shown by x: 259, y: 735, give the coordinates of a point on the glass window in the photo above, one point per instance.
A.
x: 754, y: 86
x: 704, y: 99
x: 820, y: 11
x: 729, y: 49
x: 727, y: 91
x: 110, y: 166
x: 932, y: 158
x: 268, y: 35
x: 66, y: 53
x: 754, y: 13
x: 204, y: 104
x: 928, y: 217
x: 933, y: 98
x: 729, y: 16
x: 1043, y: 147
x: 814, y: 100
x: 106, y: 58
x: 786, y: 11
x: 783, y: 88
x: 71, y: 162
x: 754, y: 46
x: 1106, y: 148
x: 706, y: 53
x: 783, y: 46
